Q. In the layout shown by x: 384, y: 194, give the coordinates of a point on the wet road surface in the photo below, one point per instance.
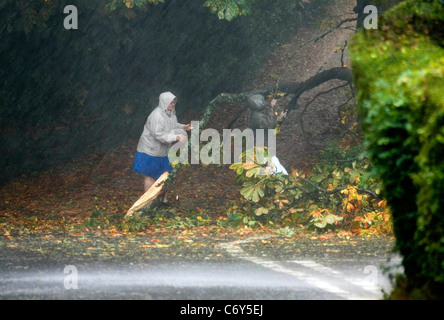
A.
x: 240, y: 275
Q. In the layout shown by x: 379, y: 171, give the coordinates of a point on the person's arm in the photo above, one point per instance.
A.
x: 156, y: 128
x: 186, y: 127
x: 179, y: 126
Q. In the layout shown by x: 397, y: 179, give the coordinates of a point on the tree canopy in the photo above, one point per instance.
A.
x: 225, y: 9
x: 63, y: 86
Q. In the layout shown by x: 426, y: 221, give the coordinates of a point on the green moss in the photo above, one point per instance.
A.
x: 399, y: 74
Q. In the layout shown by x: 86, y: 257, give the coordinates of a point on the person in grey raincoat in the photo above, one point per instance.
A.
x: 161, y: 130
x: 262, y: 118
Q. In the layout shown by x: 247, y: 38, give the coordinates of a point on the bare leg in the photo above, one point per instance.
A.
x: 148, y: 182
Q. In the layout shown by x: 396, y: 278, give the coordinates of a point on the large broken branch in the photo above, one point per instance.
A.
x: 297, y: 89
x: 338, y: 73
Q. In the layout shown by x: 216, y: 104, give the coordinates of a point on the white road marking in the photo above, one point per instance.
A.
x: 367, y: 285
x: 235, y: 250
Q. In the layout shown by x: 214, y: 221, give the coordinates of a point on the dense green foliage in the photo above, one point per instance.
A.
x: 67, y: 92
x: 399, y: 73
x: 225, y: 9
x: 340, y: 195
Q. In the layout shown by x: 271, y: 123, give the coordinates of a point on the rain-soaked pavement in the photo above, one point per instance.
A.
x: 241, y: 273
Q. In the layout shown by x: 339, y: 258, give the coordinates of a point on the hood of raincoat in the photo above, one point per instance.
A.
x: 161, y: 128
x: 165, y: 100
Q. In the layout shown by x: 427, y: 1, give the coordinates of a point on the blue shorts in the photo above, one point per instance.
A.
x: 151, y: 166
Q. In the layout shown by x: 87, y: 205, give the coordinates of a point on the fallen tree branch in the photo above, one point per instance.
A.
x: 339, y: 189
x: 238, y: 115
x: 338, y: 73
x: 297, y: 89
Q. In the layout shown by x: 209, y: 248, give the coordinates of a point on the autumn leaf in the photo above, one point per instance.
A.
x: 261, y: 211
x: 316, y: 214
x: 350, y: 207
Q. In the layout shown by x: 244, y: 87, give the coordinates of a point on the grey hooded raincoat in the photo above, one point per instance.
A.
x: 161, y: 129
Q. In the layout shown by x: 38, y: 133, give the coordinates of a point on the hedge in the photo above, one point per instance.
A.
x: 399, y: 74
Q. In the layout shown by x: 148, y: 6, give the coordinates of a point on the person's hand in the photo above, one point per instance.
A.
x: 181, y: 138
x: 273, y: 103
x: 283, y: 114
x: 188, y: 127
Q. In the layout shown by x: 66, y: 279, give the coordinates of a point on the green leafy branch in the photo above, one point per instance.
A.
x: 332, y: 194
x: 224, y: 9
x: 229, y: 9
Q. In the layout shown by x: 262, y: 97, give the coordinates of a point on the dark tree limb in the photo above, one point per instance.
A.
x: 238, y: 115
x: 338, y: 73
x: 297, y: 89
